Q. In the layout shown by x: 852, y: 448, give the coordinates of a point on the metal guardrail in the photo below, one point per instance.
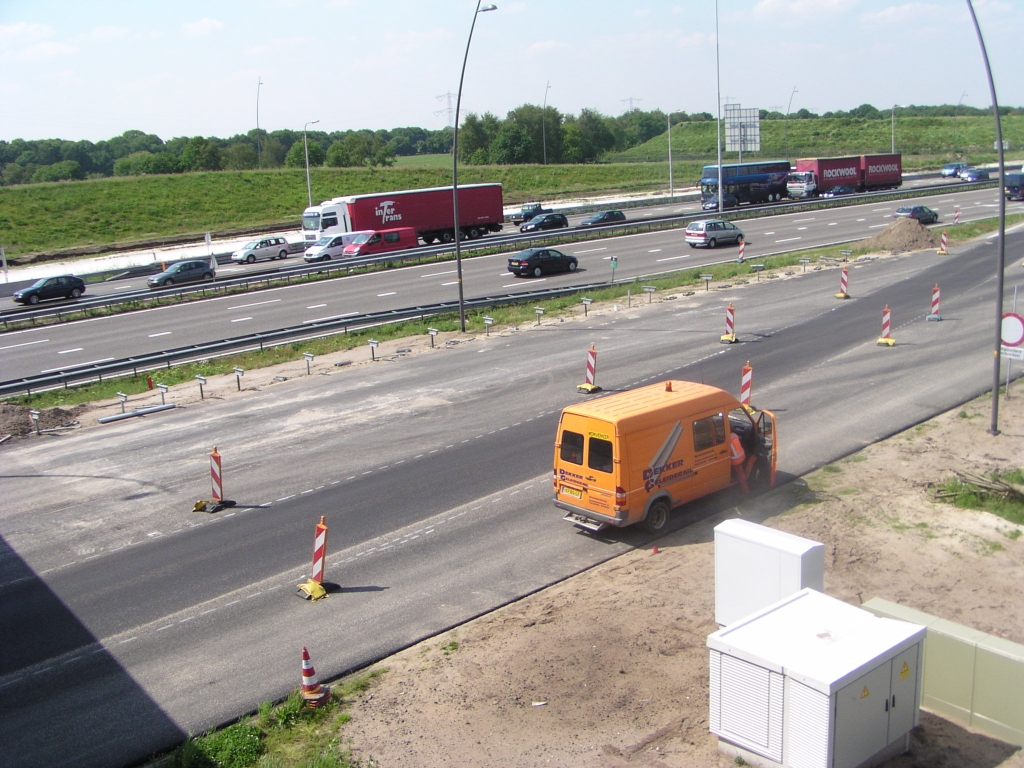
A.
x: 310, y: 330
x: 417, y: 255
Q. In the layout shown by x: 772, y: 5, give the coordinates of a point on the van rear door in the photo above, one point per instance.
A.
x: 766, y: 432
x: 585, y: 464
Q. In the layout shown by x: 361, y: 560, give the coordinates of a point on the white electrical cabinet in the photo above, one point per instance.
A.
x: 813, y: 682
x: 756, y: 566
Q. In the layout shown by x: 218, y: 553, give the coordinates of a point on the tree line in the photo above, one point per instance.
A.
x: 527, y: 134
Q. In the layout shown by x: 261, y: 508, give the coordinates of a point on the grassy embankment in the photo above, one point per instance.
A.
x: 44, y: 217
x: 511, y: 315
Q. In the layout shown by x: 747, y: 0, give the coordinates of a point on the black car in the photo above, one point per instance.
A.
x: 953, y: 170
x: 604, y: 217
x: 182, y: 272
x: 919, y: 212
x: 541, y: 261
x: 545, y: 221
x: 63, y: 287
x: 728, y: 201
x: 974, y: 174
x: 842, y: 189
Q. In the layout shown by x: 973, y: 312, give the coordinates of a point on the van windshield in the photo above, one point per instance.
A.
x: 325, y: 240
x: 361, y: 239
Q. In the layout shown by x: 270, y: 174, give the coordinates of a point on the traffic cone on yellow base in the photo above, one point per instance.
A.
x: 313, y: 693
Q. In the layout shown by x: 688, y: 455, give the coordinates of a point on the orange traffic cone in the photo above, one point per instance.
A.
x: 313, y: 693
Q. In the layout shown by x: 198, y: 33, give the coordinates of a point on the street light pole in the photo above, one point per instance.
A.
x: 1001, y: 265
x: 955, y: 113
x: 718, y: 124
x: 455, y: 167
x: 544, y: 122
x: 305, y: 146
x: 671, y: 188
x: 259, y: 159
x: 788, y: 109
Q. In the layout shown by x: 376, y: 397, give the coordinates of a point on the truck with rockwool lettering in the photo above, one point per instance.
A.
x: 814, y: 176
x: 429, y: 212
x: 632, y: 456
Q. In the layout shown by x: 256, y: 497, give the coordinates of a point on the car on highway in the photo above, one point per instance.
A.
x: 974, y: 174
x: 61, y: 287
x: 603, y: 217
x: 953, y: 170
x: 541, y: 261
x: 330, y: 247
x: 728, y: 201
x: 919, y: 212
x: 711, y: 233
x: 842, y: 189
x: 183, y: 272
x: 266, y: 248
x: 545, y: 221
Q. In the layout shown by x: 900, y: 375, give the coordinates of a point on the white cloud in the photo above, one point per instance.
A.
x: 896, y: 14
x: 22, y: 32
x: 543, y: 46
x: 107, y: 33
x: 204, y: 26
x: 48, y: 49
x: 802, y: 7
x: 642, y: 13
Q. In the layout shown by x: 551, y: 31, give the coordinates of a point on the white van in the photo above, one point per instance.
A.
x: 264, y: 248
x: 331, y: 246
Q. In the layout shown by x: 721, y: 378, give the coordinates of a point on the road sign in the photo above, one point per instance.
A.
x: 1013, y: 353
x: 1012, y: 333
x: 615, y: 262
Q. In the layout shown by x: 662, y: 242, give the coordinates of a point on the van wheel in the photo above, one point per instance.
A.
x: 657, y: 517
x: 712, y: 243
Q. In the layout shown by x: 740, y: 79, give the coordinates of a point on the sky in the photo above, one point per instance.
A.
x: 75, y: 70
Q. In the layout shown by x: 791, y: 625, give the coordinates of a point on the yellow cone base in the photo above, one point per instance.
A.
x: 887, y: 342
x: 213, y: 505
x: 311, y: 590
x: 588, y: 389
x: 934, y: 317
x: 842, y: 295
x: 729, y: 338
x: 941, y: 252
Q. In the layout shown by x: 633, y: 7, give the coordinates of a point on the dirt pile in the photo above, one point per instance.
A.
x: 902, y: 235
x: 16, y: 420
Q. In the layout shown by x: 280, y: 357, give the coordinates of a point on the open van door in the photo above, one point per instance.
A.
x: 766, y: 433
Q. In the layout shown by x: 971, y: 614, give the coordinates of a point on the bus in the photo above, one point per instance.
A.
x: 763, y: 182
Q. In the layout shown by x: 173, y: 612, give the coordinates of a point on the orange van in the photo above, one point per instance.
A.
x: 631, y: 457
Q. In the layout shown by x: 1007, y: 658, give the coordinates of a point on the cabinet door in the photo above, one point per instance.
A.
x: 903, y: 693
x: 862, y: 718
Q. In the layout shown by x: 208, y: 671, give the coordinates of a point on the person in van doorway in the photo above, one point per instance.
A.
x: 739, y: 460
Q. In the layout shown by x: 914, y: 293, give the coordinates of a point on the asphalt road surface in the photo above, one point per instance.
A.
x: 59, y: 347
x: 128, y: 621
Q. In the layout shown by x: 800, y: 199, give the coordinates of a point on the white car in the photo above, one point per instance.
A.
x: 265, y: 248
x: 330, y: 247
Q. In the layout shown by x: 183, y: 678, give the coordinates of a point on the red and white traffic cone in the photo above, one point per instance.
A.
x: 885, y: 339
x: 313, y: 589
x: 945, y: 242
x: 934, y: 315
x: 743, y: 247
x: 590, y: 386
x: 313, y: 693
x: 844, y: 282
x: 216, y: 478
x: 746, y: 379
x: 956, y: 215
x: 730, y: 326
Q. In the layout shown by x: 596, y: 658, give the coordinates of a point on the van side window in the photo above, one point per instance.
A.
x: 391, y: 237
x: 374, y: 239
x: 600, y: 456
x: 572, y: 447
x: 708, y: 432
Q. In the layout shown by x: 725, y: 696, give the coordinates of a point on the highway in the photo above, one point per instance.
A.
x: 128, y: 620
x: 59, y: 347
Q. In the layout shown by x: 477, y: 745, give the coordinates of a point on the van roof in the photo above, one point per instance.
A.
x: 636, y: 406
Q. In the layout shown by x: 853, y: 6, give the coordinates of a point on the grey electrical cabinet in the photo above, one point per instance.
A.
x: 813, y: 682
x: 756, y: 566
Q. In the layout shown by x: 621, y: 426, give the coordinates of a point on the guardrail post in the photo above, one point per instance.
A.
x: 309, y: 359
x: 373, y: 350
x: 586, y: 305
x: 123, y: 398
x: 488, y: 322
x: 649, y: 290
x: 433, y: 333
x: 163, y: 391
x: 539, y: 311
x: 239, y: 372
x: 35, y: 420
x: 201, y: 380
x: 758, y: 268
x: 805, y: 262
x: 707, y: 281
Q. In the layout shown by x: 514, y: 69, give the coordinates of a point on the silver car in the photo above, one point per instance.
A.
x: 264, y: 248
x: 712, y: 232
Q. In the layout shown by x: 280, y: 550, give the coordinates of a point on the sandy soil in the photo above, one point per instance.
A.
x: 610, y: 668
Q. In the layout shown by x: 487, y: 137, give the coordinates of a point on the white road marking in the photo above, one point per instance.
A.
x: 454, y: 282
x: 861, y: 219
x: 655, y: 250
x: 329, y: 317
x: 592, y: 250
x: 832, y: 224
x: 673, y: 258
x: 389, y: 293
x: 768, y: 233
x: 255, y: 304
x: 241, y: 319
x: 877, y: 226
x: 800, y: 229
x: 788, y: 239
x: 162, y: 333
x: 25, y: 344
x: 438, y: 274
x: 66, y: 351
x: 316, y: 306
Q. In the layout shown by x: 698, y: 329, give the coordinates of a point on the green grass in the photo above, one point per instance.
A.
x: 284, y: 735
x: 967, y: 496
x: 424, y: 161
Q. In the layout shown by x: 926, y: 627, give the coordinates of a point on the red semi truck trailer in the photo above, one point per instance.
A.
x: 427, y: 211
x: 815, y: 175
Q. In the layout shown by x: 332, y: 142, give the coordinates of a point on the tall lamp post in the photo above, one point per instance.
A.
x: 259, y: 159
x: 305, y: 146
x: 544, y: 123
x: 1001, y: 264
x: 455, y: 167
x: 955, y: 113
x: 788, y: 109
x: 671, y: 188
x: 718, y: 124
x: 894, y: 107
